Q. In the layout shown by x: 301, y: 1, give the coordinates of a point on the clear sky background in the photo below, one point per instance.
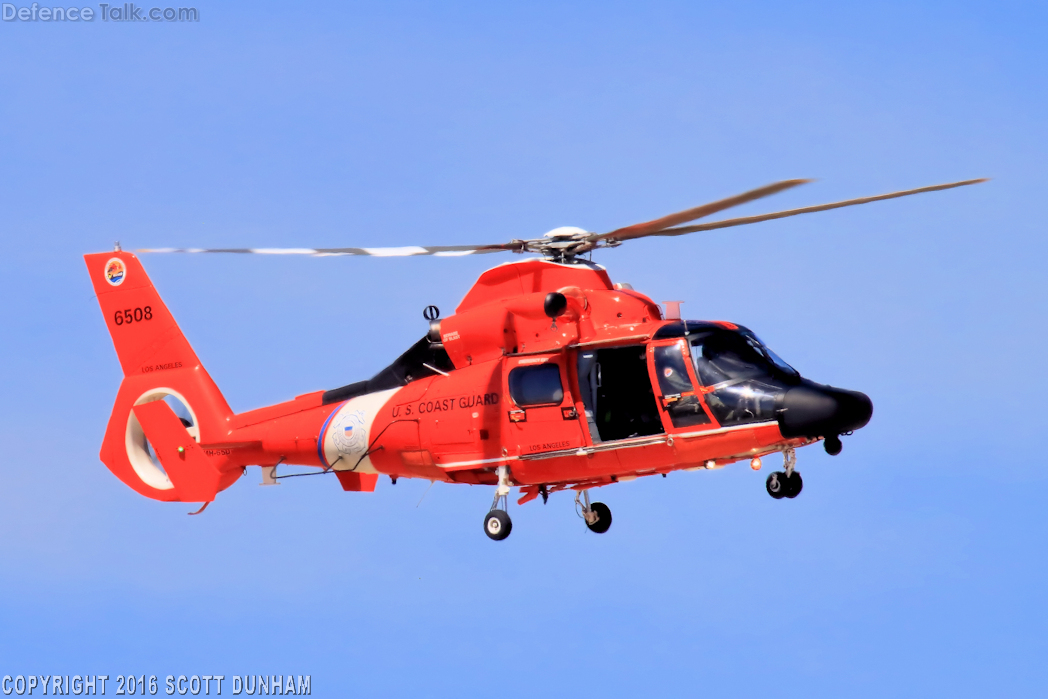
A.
x: 912, y: 565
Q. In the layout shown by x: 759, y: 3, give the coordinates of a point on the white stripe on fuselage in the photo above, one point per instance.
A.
x: 350, y: 432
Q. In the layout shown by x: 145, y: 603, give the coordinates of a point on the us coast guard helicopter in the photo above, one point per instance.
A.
x: 548, y: 377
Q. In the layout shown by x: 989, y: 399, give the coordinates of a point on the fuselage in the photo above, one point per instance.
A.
x: 606, y: 390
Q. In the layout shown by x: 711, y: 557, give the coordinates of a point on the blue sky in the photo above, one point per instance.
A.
x: 912, y: 564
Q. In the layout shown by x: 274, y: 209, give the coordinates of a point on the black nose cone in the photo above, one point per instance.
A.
x: 814, y: 410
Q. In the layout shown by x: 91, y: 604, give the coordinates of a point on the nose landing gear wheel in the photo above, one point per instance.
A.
x: 497, y: 525
x: 780, y: 485
x: 602, y: 523
x: 776, y: 485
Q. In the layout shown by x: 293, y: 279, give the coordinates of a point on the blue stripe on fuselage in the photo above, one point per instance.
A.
x: 323, y: 433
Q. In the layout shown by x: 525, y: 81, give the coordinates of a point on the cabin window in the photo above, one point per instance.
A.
x: 530, y: 386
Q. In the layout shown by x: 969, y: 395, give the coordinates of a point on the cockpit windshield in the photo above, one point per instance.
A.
x: 775, y: 359
x: 725, y: 355
x: 741, y: 375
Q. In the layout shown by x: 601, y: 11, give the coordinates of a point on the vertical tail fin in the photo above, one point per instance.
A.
x: 144, y: 332
x: 159, y: 365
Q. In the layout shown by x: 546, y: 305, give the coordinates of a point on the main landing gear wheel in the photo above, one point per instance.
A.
x: 794, y: 484
x: 602, y: 523
x: 597, y: 515
x: 497, y: 525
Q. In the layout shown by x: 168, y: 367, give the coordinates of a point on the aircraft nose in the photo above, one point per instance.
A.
x: 814, y: 410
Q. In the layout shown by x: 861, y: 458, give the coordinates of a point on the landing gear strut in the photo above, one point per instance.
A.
x: 787, y: 483
x: 497, y: 524
x: 597, y: 515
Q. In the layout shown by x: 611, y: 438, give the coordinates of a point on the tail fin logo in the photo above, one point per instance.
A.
x: 115, y: 271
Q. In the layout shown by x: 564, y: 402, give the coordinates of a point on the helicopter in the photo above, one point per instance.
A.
x: 548, y: 377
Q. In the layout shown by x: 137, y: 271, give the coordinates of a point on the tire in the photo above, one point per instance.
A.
x: 776, y: 485
x: 603, y: 522
x: 497, y: 525
x: 794, y: 485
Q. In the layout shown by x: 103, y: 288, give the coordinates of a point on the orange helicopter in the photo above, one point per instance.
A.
x: 547, y: 377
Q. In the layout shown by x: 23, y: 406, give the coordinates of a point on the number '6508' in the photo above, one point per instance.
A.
x: 133, y: 315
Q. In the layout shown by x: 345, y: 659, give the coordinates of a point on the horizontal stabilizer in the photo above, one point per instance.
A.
x: 194, y: 476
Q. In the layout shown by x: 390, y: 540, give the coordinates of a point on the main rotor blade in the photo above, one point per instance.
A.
x: 728, y: 223
x: 639, y: 230
x: 407, y: 251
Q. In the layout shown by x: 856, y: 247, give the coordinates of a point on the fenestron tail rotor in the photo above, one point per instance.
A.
x: 565, y: 244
